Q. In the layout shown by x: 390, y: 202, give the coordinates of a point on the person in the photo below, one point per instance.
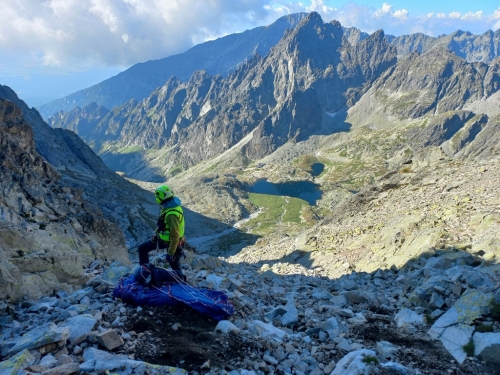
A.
x: 169, y: 232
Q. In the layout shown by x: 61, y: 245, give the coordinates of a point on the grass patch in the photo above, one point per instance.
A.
x: 175, y: 171
x: 276, y: 209
x: 484, y: 328
x: 406, y: 169
x: 305, y: 162
x: 495, y: 310
x: 469, y: 349
x: 370, y: 360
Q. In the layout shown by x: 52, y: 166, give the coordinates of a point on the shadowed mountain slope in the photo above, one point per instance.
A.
x: 220, y: 56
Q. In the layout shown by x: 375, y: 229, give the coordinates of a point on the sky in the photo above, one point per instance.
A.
x: 52, y: 48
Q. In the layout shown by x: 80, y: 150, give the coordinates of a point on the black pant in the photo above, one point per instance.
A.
x: 174, y: 261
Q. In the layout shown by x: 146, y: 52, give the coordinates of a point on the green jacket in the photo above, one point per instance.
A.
x: 171, y: 224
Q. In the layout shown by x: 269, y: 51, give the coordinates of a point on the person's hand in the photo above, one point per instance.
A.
x: 154, y: 239
x: 170, y: 258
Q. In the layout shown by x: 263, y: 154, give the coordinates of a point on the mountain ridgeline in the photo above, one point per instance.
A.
x: 309, y: 82
x: 224, y: 55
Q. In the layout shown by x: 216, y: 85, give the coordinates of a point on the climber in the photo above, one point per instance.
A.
x: 169, y: 232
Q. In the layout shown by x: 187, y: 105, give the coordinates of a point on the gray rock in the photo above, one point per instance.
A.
x: 386, y: 350
x: 109, y: 339
x: 331, y: 324
x: 476, y: 279
x: 291, y: 316
x: 225, y: 326
x: 40, y: 336
x: 80, y: 326
x: 356, y: 297
x: 320, y: 293
x: 436, y: 301
x: 269, y: 331
x: 67, y: 369
x: 406, y: 318
x: 470, y: 306
x: 487, y: 347
x: 48, y: 361
x: 19, y: 361
x: 115, y: 272
x: 352, y: 363
x: 276, y: 313
x: 339, y: 301
x: 269, y: 359
x: 438, y: 263
x: 396, y: 368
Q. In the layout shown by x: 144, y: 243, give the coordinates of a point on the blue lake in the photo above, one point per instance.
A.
x: 317, y: 169
x: 306, y: 190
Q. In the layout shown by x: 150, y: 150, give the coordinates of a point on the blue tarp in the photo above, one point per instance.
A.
x: 212, y: 303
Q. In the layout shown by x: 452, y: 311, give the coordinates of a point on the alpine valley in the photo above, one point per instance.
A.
x: 342, y: 187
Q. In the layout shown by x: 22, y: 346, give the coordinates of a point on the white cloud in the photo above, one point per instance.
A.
x: 477, y: 15
x: 401, y: 14
x: 80, y: 34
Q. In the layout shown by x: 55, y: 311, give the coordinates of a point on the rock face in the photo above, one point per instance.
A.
x: 79, y: 167
x: 48, y: 231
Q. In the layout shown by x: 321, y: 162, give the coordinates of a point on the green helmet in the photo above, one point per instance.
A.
x: 163, y: 192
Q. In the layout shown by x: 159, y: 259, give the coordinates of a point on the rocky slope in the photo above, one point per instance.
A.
x: 48, y: 232
x: 438, y: 314
x: 470, y: 47
x: 225, y: 54
x: 79, y: 167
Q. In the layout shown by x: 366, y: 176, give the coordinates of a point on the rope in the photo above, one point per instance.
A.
x: 191, y: 291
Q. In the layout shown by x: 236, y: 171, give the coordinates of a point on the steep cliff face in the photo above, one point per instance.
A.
x: 426, y: 85
x: 81, y: 168
x: 48, y: 232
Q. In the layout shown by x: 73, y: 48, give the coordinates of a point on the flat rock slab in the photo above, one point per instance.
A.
x: 80, y: 326
x: 98, y: 361
x: 40, y: 336
x: 454, y: 328
x: 16, y: 363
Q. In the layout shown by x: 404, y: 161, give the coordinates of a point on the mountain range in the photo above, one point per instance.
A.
x: 224, y: 55
x: 316, y: 76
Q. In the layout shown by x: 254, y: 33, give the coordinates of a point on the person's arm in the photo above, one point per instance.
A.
x: 173, y: 223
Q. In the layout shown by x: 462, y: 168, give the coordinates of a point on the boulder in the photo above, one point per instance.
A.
x: 353, y: 364
x: 110, y: 339
x: 487, y: 347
